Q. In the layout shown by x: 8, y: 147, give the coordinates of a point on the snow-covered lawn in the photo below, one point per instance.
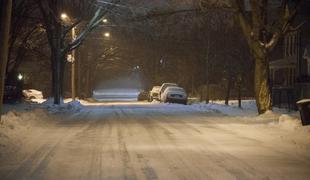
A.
x: 213, y: 127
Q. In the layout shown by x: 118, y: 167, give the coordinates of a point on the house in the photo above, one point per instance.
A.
x: 289, y: 68
x: 290, y: 74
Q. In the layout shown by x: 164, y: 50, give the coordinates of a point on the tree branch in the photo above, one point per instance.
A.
x: 283, y: 27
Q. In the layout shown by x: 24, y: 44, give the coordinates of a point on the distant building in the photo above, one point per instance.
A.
x: 283, y: 72
x: 290, y: 65
x: 290, y: 75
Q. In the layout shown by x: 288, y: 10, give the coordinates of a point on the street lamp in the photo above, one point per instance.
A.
x: 73, y: 67
x: 65, y: 17
x: 107, y: 34
x: 20, y: 76
x: 105, y: 20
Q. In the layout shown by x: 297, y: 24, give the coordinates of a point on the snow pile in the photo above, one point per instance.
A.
x: 248, y: 108
x: 280, y: 118
x: 64, y: 106
x: 268, y: 116
x: 289, y: 122
x: 15, y: 126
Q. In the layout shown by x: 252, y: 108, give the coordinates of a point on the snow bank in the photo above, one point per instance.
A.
x: 248, y: 108
x: 292, y: 122
x: 66, y: 105
x: 288, y: 122
x: 278, y: 118
x: 15, y: 126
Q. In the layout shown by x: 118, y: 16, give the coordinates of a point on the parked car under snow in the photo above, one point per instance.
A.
x: 163, y: 88
x: 32, y: 95
x: 154, y: 93
x: 174, y: 94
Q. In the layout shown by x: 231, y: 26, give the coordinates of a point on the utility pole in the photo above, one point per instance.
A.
x: 73, y: 88
x: 66, y: 19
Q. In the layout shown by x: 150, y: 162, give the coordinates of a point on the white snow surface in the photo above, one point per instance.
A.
x: 66, y: 105
x: 276, y: 129
x: 17, y: 125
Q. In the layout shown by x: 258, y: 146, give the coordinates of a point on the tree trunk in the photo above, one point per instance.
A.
x: 262, y: 88
x: 91, y: 82
x: 5, y: 22
x: 239, y: 94
x: 87, y: 83
x: 56, y: 77
x: 229, y: 83
x: 208, y: 70
x: 78, y: 71
x: 57, y: 63
x: 208, y: 94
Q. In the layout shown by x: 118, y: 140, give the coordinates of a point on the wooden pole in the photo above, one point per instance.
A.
x: 73, y: 93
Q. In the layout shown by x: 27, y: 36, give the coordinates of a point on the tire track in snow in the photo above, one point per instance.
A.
x: 127, y: 170
x: 33, y: 166
x: 174, y: 161
x: 193, y: 153
x: 142, y: 165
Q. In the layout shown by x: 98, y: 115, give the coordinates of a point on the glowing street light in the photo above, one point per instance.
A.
x: 63, y: 16
x: 19, y: 76
x: 105, y: 20
x: 107, y: 34
x: 136, y: 68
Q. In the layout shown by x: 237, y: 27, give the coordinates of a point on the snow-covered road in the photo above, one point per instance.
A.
x: 154, y: 141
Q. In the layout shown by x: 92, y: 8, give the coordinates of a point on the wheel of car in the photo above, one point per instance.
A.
x: 32, y: 97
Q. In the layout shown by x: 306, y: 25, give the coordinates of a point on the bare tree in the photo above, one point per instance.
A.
x: 83, y: 11
x: 262, y: 37
x: 262, y: 32
x: 26, y: 33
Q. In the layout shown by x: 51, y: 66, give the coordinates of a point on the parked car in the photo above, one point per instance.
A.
x: 143, y: 96
x: 174, y: 94
x: 13, y: 88
x: 163, y: 88
x: 154, y: 93
x: 32, y: 95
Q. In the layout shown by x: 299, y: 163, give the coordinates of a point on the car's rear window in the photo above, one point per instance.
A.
x: 175, y: 89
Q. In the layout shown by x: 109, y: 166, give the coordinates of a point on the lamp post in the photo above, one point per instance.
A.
x: 65, y: 18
